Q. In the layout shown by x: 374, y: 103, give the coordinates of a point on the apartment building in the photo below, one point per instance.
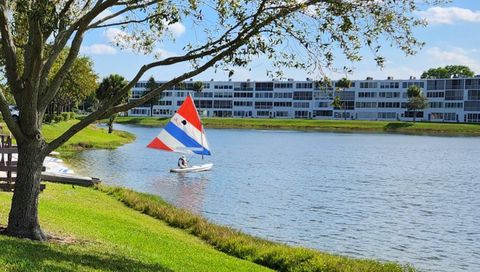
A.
x: 449, y: 100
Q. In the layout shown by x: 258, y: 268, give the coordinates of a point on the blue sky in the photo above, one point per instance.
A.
x: 452, y: 37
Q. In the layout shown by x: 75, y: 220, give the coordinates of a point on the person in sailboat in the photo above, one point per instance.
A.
x: 182, y: 162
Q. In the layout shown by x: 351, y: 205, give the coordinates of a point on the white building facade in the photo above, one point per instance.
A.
x: 449, y: 100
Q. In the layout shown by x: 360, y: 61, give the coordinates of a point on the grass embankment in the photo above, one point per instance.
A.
x: 322, y: 125
x: 88, y: 138
x: 273, y: 255
x: 105, y: 235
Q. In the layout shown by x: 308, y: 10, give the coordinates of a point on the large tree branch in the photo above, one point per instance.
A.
x: 97, y: 24
x: 80, y: 27
x: 106, y: 109
x: 9, y: 49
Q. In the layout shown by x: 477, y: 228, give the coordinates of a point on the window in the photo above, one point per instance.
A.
x: 389, y: 85
x: 223, y: 87
x: 263, y: 113
x: 282, y: 114
x: 435, y: 105
x: 436, y: 84
x: 453, y: 105
x: 282, y: 104
x: 366, y: 104
x: 240, y: 113
x: 301, y: 105
x: 435, y: 94
x: 243, y: 86
x: 455, y: 84
x: 264, y: 86
x: 368, y: 85
x: 472, y: 106
x: 165, y: 102
x: 473, y: 117
x: 161, y: 112
x: 323, y: 113
x: 450, y: 116
x: 301, y: 114
x: 283, y: 95
x: 409, y: 114
x: 263, y: 95
x: 242, y: 103
x: 342, y: 115
x: 324, y: 104
x: 204, y: 104
x: 420, y: 84
x: 203, y: 94
x: 389, y: 94
x: 223, y: 94
x: 283, y: 85
x: 346, y: 105
x: 472, y: 83
x: 436, y: 115
x: 302, y: 95
x: 222, y: 113
x: 454, y: 95
x: 242, y: 94
x: 138, y: 111
x: 387, y: 115
x: 367, y: 94
x: 389, y: 104
x: 346, y: 95
x: 263, y: 104
x: 222, y: 104
x: 473, y: 94
x: 304, y: 85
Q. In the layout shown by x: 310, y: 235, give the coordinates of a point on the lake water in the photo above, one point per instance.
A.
x: 411, y: 199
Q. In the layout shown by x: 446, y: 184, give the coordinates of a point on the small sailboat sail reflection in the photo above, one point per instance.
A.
x: 184, y: 134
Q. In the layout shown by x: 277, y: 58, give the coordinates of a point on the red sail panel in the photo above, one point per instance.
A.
x: 189, y: 112
x: 157, y: 144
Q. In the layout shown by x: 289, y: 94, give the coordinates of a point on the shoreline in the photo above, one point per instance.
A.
x: 347, y: 126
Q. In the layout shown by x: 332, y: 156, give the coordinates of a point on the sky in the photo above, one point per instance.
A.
x: 451, y: 37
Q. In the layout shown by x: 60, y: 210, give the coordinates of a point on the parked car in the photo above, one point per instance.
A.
x: 14, y: 111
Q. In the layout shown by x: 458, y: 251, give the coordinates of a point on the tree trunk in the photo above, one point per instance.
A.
x: 110, y: 123
x: 414, y: 115
x: 23, y: 218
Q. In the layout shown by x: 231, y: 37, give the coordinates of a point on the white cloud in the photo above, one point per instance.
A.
x: 456, y: 55
x: 449, y: 15
x: 98, y: 49
x: 113, y: 34
x: 177, y: 29
x: 161, y: 53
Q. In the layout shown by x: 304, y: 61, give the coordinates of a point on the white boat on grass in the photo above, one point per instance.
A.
x: 184, y: 134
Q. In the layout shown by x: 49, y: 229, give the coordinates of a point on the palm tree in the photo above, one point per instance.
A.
x: 107, y: 89
x: 151, y: 86
x: 416, y: 100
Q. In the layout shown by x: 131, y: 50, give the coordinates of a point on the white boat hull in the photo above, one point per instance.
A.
x: 194, y: 168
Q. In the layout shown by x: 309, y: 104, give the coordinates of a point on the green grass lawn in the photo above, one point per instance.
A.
x: 108, y: 236
x: 90, y: 137
x: 322, y: 125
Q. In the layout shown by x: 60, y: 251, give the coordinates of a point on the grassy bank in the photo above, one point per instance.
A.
x: 90, y: 137
x: 102, y: 234
x: 322, y: 125
x: 273, y: 255
x: 96, y: 232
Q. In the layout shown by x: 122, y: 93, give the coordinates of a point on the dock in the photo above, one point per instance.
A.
x: 53, y: 168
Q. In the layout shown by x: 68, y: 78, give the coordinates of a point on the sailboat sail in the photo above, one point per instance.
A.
x: 184, y: 133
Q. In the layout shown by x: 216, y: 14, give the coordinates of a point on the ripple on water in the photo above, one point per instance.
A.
x: 411, y: 199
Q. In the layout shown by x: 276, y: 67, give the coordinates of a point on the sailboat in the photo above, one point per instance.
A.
x: 184, y: 134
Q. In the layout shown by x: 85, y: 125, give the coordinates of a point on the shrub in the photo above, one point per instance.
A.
x: 49, y: 118
x: 57, y: 118
x: 72, y: 115
x: 65, y: 116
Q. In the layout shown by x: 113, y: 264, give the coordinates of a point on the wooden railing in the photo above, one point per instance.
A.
x: 8, y: 166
